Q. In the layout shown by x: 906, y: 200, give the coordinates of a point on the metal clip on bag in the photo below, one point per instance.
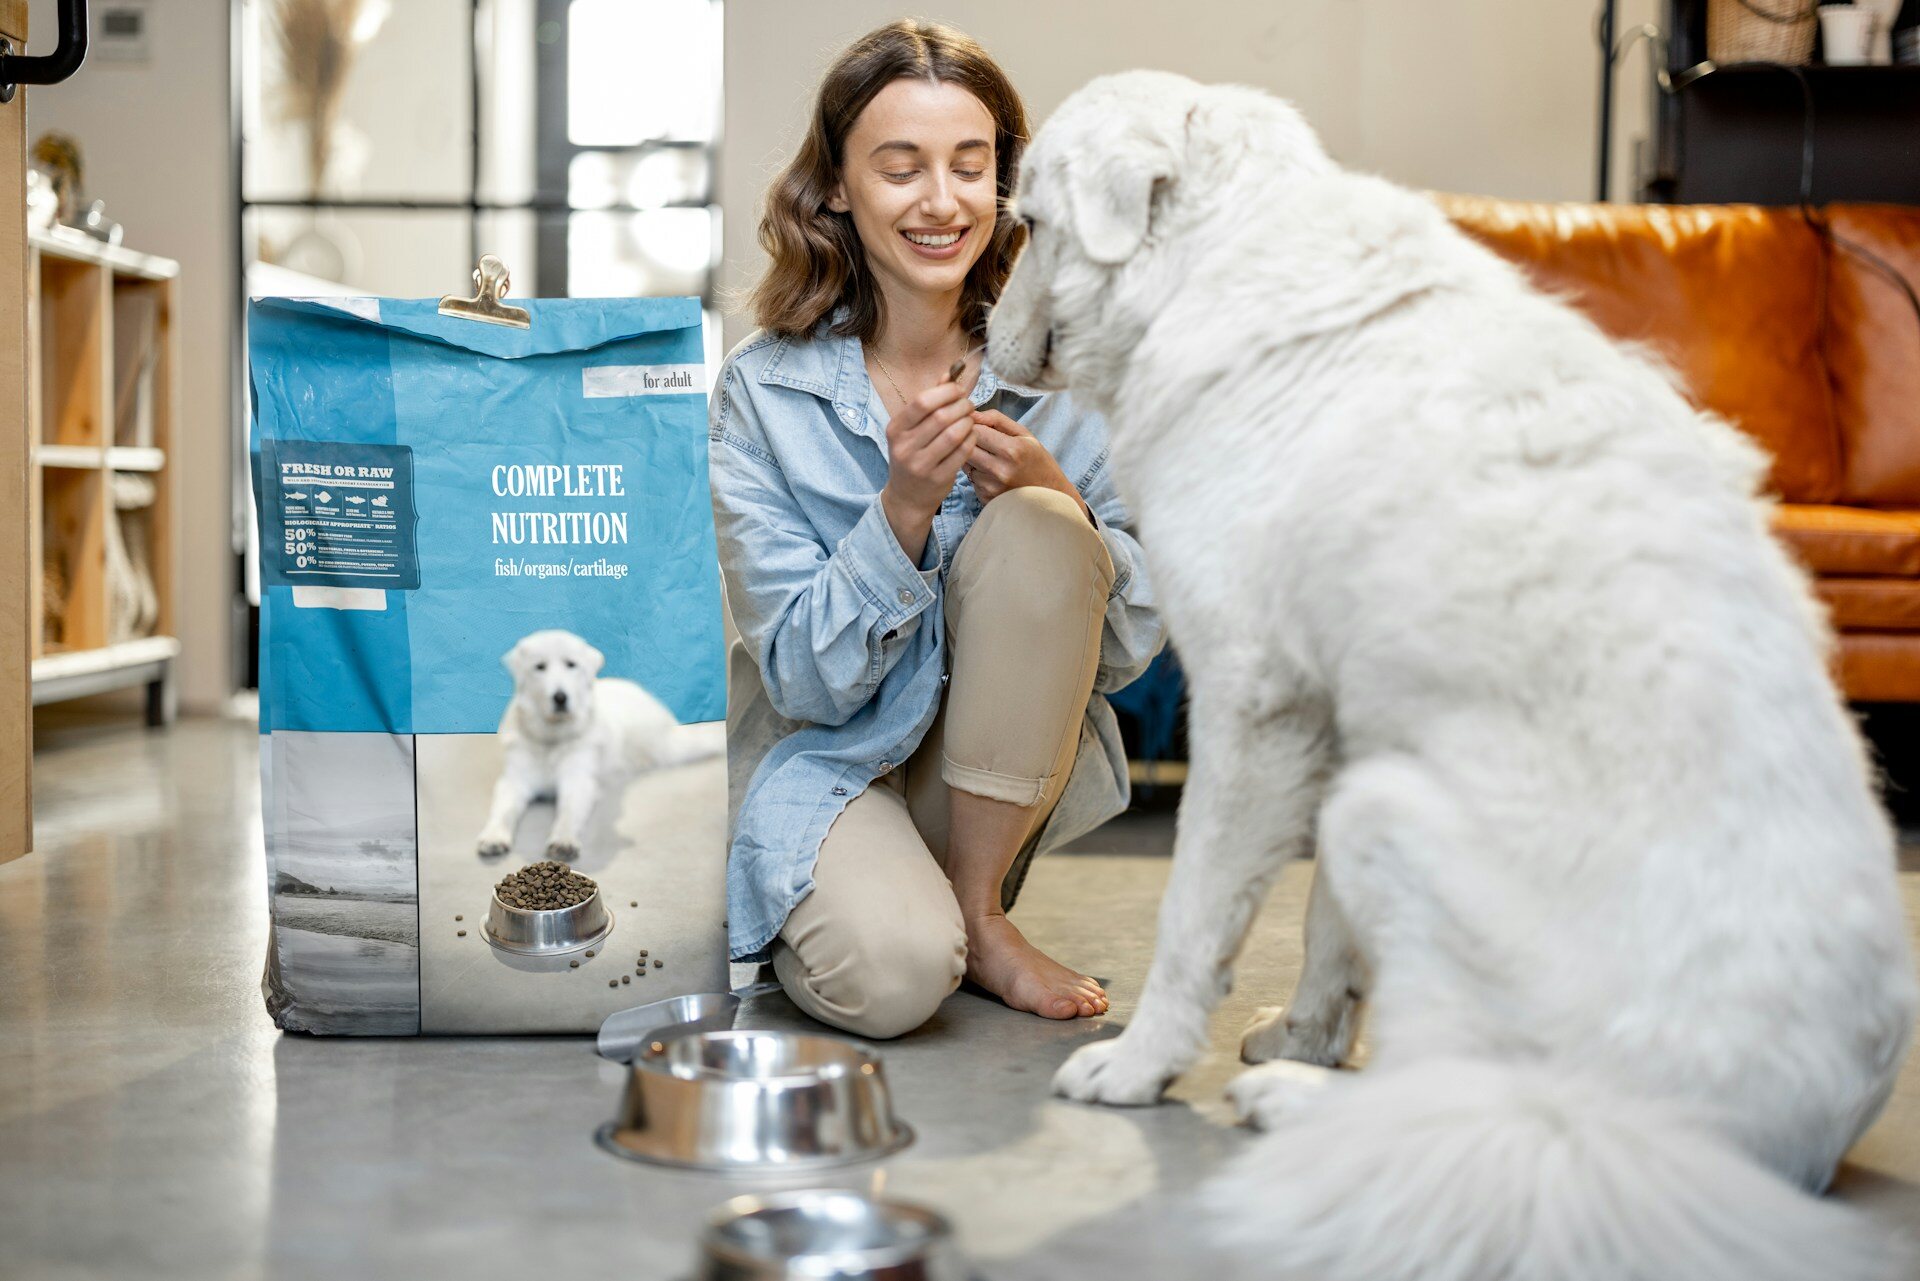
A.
x: 490, y: 655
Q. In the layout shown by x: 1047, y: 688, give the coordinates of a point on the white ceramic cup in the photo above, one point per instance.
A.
x: 1846, y: 34
x: 1880, y: 50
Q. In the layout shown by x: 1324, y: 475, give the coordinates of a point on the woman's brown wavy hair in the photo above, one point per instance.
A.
x: 817, y: 261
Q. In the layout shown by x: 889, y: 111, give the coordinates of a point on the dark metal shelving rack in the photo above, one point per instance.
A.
x: 1734, y: 132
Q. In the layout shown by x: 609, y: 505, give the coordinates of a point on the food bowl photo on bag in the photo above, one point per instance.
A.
x: 754, y: 1100
x: 547, y: 909
x: 548, y: 932
x: 828, y: 1235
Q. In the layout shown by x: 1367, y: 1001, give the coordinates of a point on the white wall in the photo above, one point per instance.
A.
x: 155, y: 140
x: 1493, y: 96
x: 1472, y: 95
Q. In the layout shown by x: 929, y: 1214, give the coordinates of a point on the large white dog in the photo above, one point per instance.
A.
x: 569, y: 734
x: 1471, y: 598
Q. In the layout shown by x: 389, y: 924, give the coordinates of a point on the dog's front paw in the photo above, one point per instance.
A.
x: 494, y: 843
x: 1267, y: 1096
x: 563, y: 851
x: 1113, y: 1072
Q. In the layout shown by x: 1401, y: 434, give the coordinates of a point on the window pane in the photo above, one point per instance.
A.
x: 408, y: 254
x: 646, y: 178
x: 660, y: 253
x: 396, y: 123
x: 640, y: 69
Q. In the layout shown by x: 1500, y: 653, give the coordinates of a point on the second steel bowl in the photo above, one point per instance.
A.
x: 553, y: 932
x: 754, y: 1100
x: 828, y: 1234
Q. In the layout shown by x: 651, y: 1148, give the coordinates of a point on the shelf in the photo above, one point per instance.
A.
x: 81, y: 456
x: 1816, y: 72
x: 70, y: 316
x: 101, y: 393
x: 134, y: 458
x: 73, y: 542
x: 91, y: 671
x: 88, y: 457
x: 75, y: 246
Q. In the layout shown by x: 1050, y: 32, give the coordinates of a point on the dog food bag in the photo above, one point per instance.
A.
x: 492, y: 693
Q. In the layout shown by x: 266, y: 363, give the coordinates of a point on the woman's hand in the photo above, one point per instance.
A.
x: 927, y: 441
x: 1006, y: 456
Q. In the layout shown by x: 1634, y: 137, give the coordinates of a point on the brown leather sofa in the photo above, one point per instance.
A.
x: 1797, y: 341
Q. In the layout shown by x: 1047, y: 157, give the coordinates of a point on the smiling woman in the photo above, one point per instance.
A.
x: 927, y: 76
x: 930, y: 570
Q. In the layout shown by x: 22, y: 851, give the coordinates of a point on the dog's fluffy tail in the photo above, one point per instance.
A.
x: 696, y: 742
x: 1474, y: 1171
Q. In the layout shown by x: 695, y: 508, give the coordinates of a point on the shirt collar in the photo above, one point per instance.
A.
x: 830, y: 366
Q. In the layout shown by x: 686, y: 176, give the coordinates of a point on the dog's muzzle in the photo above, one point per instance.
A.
x: 560, y: 700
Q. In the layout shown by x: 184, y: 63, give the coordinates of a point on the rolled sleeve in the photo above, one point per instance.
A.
x: 816, y: 620
x: 874, y: 557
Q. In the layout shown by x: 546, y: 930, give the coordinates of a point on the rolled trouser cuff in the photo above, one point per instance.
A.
x: 1011, y: 788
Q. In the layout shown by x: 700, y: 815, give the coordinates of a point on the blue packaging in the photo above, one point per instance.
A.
x: 451, y: 514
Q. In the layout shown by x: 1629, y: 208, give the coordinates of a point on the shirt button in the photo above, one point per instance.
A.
x: 839, y: 791
x: 906, y: 596
x: 944, y: 678
x: 885, y: 766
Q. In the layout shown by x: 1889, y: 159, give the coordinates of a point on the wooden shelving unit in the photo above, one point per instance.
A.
x: 101, y: 397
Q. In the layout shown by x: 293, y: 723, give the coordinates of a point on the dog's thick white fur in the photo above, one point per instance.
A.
x: 1469, y: 597
x: 569, y: 734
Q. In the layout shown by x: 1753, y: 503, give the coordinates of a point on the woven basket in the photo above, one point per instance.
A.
x: 1761, y: 30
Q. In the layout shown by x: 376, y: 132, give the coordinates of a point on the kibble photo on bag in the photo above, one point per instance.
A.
x: 492, y: 697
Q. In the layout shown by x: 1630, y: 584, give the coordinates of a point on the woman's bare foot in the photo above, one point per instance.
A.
x: 1000, y: 959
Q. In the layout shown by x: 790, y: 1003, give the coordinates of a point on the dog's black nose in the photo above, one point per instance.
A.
x: 560, y: 700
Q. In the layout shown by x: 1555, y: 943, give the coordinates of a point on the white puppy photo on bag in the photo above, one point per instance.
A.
x: 571, y: 736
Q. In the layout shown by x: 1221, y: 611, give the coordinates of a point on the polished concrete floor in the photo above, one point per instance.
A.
x: 154, y: 1124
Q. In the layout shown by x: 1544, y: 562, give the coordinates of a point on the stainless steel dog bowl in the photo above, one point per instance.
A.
x: 754, y: 1100
x: 827, y: 1235
x: 550, y: 933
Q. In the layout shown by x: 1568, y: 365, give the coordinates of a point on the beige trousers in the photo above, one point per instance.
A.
x: 879, y: 941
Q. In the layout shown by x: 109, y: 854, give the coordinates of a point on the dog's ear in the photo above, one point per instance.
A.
x: 591, y: 659
x: 515, y: 659
x: 1112, y: 198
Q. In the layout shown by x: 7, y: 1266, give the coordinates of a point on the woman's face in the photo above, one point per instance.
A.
x: 918, y: 178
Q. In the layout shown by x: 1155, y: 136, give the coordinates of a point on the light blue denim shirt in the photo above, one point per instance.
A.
x: 842, y: 653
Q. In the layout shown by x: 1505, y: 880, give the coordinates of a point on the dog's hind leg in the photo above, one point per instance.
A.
x: 1320, y: 1023
x: 1248, y: 808
x: 511, y: 796
x: 1413, y: 879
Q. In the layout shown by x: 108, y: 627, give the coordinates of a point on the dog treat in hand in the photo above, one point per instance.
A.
x: 545, y: 887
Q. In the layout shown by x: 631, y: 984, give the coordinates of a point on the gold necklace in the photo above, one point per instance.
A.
x: 889, y: 377
x: 896, y: 386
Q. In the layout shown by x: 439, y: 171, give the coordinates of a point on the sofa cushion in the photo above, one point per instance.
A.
x: 1871, y: 604
x: 1873, y: 352
x: 1876, y: 667
x: 1729, y: 295
x: 1851, y: 540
